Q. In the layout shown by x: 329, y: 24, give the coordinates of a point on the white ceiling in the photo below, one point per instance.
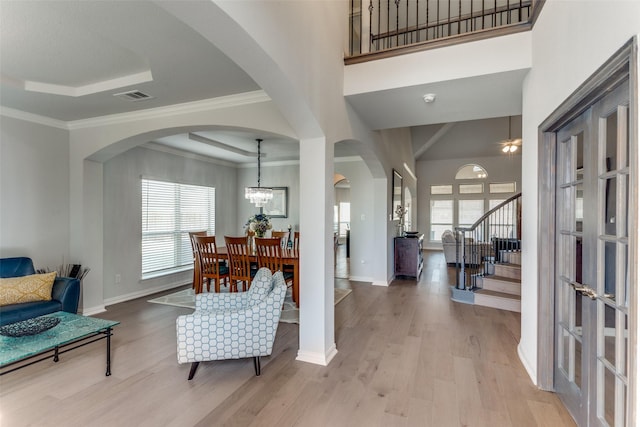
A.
x: 84, y: 52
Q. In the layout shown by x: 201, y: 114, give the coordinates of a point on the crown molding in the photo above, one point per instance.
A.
x: 186, y: 154
x: 170, y: 110
x: 229, y: 101
x: 347, y: 159
x: 268, y: 164
x: 76, y: 91
x: 33, y: 118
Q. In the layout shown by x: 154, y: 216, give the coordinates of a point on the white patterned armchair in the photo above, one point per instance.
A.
x: 233, y: 325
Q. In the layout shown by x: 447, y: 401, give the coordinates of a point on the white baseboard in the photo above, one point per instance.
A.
x: 527, y: 366
x: 142, y: 293
x: 360, y: 279
x: 318, y: 358
x: 93, y: 310
x: 380, y: 283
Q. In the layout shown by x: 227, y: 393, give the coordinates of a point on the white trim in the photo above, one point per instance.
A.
x: 380, y: 283
x: 318, y: 358
x: 93, y: 310
x: 143, y: 293
x: 410, y: 172
x: 347, y: 159
x: 101, y: 86
x: 33, y: 118
x: 527, y: 366
x: 170, y: 110
x: 268, y: 164
x: 361, y: 279
x: 186, y: 154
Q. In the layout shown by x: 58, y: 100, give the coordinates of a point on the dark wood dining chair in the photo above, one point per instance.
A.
x: 239, y: 262
x: 296, y: 239
x: 282, y: 235
x: 210, y: 265
x: 269, y: 251
x: 197, y: 278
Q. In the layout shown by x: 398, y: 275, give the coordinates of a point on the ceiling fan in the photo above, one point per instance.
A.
x: 510, y: 145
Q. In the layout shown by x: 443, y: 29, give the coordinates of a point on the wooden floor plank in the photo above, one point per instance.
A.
x: 407, y: 356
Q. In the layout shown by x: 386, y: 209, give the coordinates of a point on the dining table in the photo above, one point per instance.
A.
x: 290, y: 257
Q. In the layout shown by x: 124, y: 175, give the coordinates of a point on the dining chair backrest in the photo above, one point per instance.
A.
x: 197, y: 278
x: 296, y: 240
x: 282, y: 235
x: 239, y: 261
x: 269, y: 251
x: 208, y: 262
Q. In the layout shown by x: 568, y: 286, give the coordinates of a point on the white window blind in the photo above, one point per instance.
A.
x: 169, y: 212
x: 441, y: 218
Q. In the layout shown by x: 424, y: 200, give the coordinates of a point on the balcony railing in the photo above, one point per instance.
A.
x: 383, y: 25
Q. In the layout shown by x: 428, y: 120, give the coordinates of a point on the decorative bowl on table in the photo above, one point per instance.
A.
x: 29, y: 327
x: 411, y: 233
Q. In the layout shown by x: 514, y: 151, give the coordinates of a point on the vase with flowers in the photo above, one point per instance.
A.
x: 400, y: 213
x: 259, y: 224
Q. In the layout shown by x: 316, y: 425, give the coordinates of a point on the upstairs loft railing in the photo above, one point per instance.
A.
x: 382, y: 25
x: 487, y: 242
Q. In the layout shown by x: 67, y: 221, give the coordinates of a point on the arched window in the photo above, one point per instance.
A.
x: 471, y: 171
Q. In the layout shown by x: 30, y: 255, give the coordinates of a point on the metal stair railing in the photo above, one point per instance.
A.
x: 485, y: 243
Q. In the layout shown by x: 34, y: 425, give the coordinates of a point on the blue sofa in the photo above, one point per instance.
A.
x: 65, y: 294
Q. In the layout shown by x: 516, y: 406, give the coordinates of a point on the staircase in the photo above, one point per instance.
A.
x: 502, y: 288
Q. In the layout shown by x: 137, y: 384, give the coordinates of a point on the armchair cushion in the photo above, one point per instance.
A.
x: 233, y: 325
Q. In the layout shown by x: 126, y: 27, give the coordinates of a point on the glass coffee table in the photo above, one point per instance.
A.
x: 71, y: 332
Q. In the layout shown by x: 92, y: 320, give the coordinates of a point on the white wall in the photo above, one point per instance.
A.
x: 123, y: 211
x: 364, y: 255
x: 34, y: 191
x: 435, y: 172
x: 564, y: 55
x: 274, y: 174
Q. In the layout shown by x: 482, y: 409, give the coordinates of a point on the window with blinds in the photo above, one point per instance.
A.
x: 169, y: 212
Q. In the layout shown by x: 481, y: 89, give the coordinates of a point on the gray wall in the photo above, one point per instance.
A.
x: 34, y: 192
x: 499, y: 169
x: 122, y: 214
x: 286, y: 174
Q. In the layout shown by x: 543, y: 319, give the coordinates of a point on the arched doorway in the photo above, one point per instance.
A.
x: 342, y: 225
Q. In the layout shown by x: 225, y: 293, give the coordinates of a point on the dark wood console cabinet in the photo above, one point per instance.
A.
x: 408, y: 256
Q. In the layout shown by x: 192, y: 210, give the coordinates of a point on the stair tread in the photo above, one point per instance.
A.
x: 502, y: 279
x: 497, y: 294
x: 509, y: 265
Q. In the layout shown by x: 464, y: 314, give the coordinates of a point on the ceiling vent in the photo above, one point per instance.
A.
x: 133, y: 95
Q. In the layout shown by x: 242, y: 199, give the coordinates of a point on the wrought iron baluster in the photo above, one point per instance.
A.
x: 371, y: 24
x: 449, y: 18
x: 417, y: 21
x: 427, y: 25
x: 378, y: 40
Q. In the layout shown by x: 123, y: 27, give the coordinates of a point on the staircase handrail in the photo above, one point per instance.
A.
x: 477, y: 266
x: 489, y: 212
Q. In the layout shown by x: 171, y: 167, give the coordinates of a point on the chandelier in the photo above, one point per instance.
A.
x: 259, y: 196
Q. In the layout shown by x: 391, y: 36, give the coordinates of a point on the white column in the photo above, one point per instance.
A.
x: 317, y: 342
x: 86, y: 227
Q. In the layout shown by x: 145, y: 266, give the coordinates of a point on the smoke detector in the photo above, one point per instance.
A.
x: 429, y: 97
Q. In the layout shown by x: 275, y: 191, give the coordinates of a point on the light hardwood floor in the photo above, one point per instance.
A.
x: 407, y: 356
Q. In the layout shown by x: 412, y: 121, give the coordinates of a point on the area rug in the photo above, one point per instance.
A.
x: 290, y: 313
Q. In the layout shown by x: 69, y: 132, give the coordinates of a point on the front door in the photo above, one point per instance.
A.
x: 592, y: 269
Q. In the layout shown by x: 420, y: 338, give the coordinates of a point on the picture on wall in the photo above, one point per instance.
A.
x: 277, y: 207
x: 396, y: 193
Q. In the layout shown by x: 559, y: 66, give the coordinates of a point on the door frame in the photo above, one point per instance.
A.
x: 623, y: 64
